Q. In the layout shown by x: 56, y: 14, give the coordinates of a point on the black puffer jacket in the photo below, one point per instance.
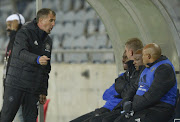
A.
x: 9, y: 51
x: 122, y: 83
x: 24, y: 72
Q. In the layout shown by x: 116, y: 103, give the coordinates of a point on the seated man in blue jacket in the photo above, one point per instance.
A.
x: 154, y: 95
x: 108, y: 96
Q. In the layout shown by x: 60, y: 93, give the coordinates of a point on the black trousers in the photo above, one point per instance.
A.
x: 147, y: 115
x: 13, y: 98
x: 106, y: 117
x: 84, y: 118
x: 90, y: 117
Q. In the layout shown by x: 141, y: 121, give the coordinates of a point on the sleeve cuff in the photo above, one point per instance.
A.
x: 38, y: 59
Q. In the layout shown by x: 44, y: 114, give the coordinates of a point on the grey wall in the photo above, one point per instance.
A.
x: 72, y: 94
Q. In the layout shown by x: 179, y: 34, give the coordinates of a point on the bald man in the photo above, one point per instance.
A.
x: 155, y: 94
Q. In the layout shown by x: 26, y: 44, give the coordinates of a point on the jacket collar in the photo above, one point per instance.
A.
x: 158, y: 60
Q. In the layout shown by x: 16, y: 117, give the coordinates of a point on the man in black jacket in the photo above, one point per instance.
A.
x: 28, y: 73
x: 13, y: 24
x: 154, y: 95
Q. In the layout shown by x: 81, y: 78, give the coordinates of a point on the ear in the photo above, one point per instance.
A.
x: 131, y: 52
x: 149, y: 56
x: 40, y: 20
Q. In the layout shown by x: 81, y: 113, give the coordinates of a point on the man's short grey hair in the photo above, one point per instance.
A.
x: 44, y: 12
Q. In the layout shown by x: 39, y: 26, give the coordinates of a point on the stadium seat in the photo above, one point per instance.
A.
x: 91, y: 27
x: 69, y: 16
x: 101, y: 28
x: 109, y: 44
x: 108, y: 58
x: 78, y: 29
x: 79, y: 42
x: 77, y: 5
x: 59, y: 17
x: 56, y: 42
x: 103, y: 58
x: 75, y: 57
x: 101, y: 41
x: 66, y: 5
x: 58, y: 29
x: 68, y: 28
x: 67, y: 42
x: 90, y: 14
x: 97, y: 58
x: 79, y: 15
x: 91, y: 42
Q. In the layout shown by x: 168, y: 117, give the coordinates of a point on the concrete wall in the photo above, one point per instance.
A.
x: 72, y: 94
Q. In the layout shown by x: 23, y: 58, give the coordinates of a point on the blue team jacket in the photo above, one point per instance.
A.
x: 148, y: 74
x: 108, y: 96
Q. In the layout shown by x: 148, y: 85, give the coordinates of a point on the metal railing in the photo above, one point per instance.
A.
x: 88, y: 51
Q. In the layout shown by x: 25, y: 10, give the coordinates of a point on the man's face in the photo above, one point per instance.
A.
x: 48, y: 22
x: 145, y: 57
x: 124, y: 60
x: 11, y: 25
x: 138, y: 61
x: 127, y: 53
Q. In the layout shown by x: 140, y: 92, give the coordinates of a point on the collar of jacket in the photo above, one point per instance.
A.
x: 40, y: 32
x: 131, y: 67
x: 160, y: 59
x: 130, y: 64
x: 12, y: 35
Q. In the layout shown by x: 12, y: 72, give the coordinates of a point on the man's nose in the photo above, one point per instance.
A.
x: 7, y: 28
x: 53, y: 23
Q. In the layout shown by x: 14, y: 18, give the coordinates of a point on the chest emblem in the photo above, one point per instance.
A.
x: 47, y: 48
x: 152, y: 69
x: 35, y: 42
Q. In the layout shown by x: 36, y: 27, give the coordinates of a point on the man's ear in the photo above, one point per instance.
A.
x: 40, y: 20
x: 149, y: 56
x: 131, y: 52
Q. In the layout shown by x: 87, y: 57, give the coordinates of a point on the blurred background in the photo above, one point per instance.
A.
x: 88, y: 43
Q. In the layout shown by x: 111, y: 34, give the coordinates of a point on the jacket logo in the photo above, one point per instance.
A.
x: 152, y: 69
x: 35, y: 42
x: 47, y: 48
x: 143, y: 79
x: 138, y: 120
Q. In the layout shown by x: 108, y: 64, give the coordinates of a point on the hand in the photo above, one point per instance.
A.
x: 42, y: 99
x: 100, y: 111
x: 127, y: 108
x: 43, y: 60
